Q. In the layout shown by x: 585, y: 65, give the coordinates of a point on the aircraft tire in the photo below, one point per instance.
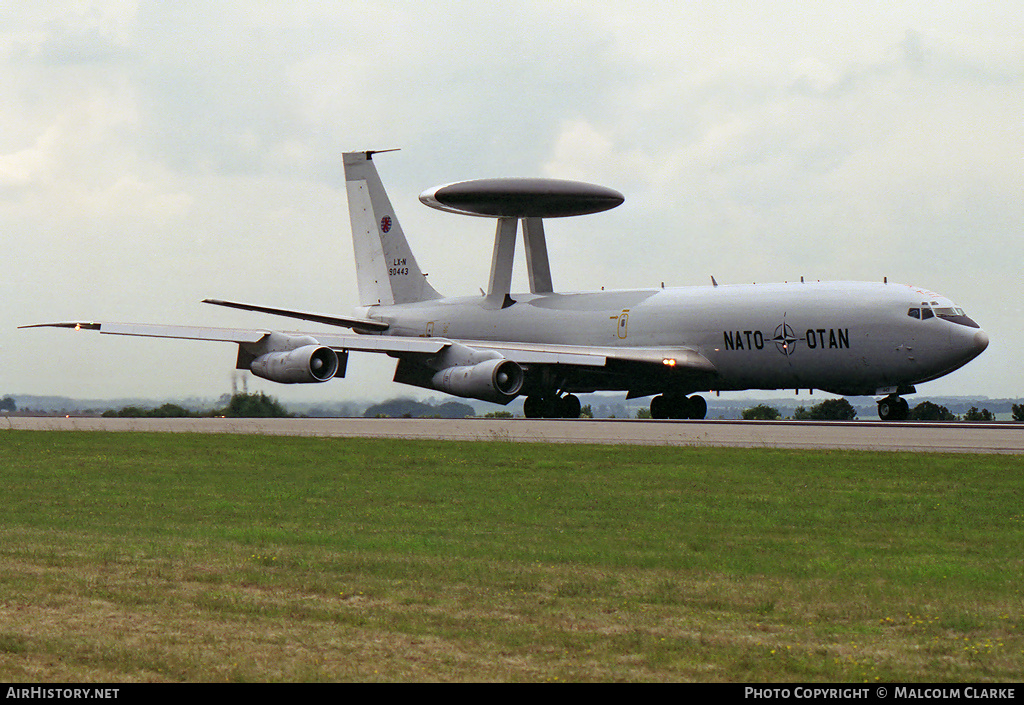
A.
x: 570, y: 406
x: 659, y: 407
x: 697, y: 407
x: 893, y: 408
x: 567, y: 407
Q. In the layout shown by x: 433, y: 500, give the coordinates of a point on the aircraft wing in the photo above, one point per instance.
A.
x: 595, y: 355
x: 640, y: 371
x: 521, y: 353
x: 360, y: 343
x: 287, y: 357
x: 227, y: 335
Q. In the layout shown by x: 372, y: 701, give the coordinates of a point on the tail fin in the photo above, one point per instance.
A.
x: 385, y: 267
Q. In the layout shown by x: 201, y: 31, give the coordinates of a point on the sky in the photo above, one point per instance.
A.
x: 153, y: 154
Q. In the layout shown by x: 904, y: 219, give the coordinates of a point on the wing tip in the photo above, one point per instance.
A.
x: 77, y: 325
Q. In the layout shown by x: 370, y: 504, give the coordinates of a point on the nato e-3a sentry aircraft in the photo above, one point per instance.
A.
x: 848, y: 338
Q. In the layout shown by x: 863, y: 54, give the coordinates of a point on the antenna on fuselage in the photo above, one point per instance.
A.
x: 512, y: 200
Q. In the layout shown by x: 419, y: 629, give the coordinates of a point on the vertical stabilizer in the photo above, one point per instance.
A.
x: 386, y: 270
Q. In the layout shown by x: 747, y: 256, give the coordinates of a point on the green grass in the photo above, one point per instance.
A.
x: 135, y: 556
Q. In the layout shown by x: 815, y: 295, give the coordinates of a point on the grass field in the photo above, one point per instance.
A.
x: 152, y: 557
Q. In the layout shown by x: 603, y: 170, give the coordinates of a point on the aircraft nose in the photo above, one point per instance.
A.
x: 980, y: 342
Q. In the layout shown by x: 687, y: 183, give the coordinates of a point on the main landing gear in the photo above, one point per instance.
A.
x: 678, y: 406
x: 552, y: 407
x: 893, y: 408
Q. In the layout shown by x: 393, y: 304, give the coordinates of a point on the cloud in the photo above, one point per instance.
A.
x: 182, y: 150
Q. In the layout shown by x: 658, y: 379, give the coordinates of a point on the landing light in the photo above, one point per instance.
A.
x: 668, y: 362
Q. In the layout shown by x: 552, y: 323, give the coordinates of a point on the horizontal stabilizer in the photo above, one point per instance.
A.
x: 363, y: 324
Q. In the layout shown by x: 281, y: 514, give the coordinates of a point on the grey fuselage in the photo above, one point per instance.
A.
x: 852, y: 338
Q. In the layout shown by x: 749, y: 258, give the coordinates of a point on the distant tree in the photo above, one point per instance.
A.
x: 974, y: 415
x: 396, y: 408
x: 1018, y: 412
x: 828, y: 410
x: 453, y: 410
x: 586, y: 412
x: 762, y: 412
x: 410, y: 408
x: 498, y: 415
x: 7, y: 404
x: 165, y: 411
x: 927, y: 411
x: 168, y: 411
x: 643, y: 413
x: 257, y: 405
x: 128, y: 412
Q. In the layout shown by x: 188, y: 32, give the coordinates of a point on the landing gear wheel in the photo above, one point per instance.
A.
x: 553, y: 407
x: 893, y: 408
x: 666, y: 406
x: 571, y: 407
x: 697, y: 407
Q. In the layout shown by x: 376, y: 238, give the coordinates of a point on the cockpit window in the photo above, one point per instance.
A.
x: 953, y: 314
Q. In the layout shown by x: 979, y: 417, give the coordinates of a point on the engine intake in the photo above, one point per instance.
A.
x: 497, y: 380
x: 310, y: 363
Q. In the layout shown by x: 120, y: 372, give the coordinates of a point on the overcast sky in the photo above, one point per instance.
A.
x: 155, y: 153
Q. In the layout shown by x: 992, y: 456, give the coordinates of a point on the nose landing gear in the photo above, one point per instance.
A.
x: 893, y: 408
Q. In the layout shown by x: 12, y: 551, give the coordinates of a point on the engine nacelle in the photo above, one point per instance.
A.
x: 497, y: 380
x: 310, y: 363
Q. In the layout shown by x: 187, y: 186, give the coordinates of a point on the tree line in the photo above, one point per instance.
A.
x: 257, y: 405
x: 260, y: 405
x: 842, y: 410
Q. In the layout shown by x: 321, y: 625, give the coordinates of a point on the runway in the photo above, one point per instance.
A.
x: 855, y: 435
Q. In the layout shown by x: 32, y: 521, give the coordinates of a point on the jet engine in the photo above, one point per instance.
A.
x: 497, y: 380
x: 310, y: 363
